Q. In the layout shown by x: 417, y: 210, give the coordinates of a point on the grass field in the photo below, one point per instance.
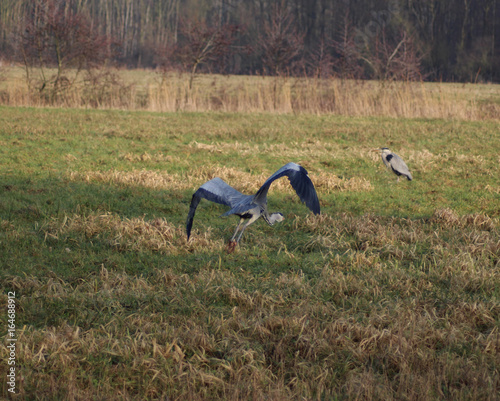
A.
x: 392, y: 293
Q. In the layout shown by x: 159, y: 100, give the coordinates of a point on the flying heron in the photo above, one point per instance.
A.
x: 394, y: 163
x: 250, y: 207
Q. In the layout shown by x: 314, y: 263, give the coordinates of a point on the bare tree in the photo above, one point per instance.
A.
x: 280, y: 42
x: 347, y: 53
x: 455, y: 40
x: 319, y: 61
x: 393, y: 59
x: 200, y: 43
x: 54, y: 35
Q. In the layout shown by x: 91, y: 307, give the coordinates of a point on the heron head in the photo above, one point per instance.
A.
x: 276, y: 218
x: 382, y: 151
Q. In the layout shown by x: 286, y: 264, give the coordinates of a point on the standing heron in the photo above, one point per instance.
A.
x: 394, y: 163
x: 250, y: 207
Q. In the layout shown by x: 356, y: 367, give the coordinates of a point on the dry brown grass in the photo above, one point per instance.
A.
x: 146, y: 90
x: 245, y: 182
x: 134, y: 234
x: 365, y: 330
x: 144, y: 178
x: 448, y: 217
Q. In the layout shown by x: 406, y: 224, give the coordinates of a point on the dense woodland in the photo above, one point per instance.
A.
x: 455, y: 40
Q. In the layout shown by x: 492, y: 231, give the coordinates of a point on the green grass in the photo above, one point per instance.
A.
x: 392, y: 293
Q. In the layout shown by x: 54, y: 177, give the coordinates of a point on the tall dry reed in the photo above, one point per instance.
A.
x: 147, y: 90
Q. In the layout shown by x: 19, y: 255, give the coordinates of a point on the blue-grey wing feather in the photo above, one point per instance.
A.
x: 300, y: 181
x: 243, y: 206
x: 218, y: 191
x: 400, y: 166
x: 215, y: 190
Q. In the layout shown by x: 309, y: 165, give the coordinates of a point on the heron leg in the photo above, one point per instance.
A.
x: 243, y: 229
x: 237, y: 228
x: 247, y: 223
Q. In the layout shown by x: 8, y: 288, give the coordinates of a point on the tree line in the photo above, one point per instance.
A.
x: 455, y: 40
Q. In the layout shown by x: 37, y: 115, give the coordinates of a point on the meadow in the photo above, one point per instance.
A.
x: 392, y: 293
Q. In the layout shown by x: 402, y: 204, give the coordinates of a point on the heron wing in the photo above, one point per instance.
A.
x: 300, y: 181
x: 398, y: 165
x: 215, y: 190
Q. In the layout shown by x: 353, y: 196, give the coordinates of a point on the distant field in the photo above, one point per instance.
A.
x: 392, y: 293
x: 151, y: 91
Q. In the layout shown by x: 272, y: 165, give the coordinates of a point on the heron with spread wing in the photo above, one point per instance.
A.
x: 250, y: 207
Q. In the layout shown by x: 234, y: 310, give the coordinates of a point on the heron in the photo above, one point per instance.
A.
x: 393, y: 162
x: 249, y: 208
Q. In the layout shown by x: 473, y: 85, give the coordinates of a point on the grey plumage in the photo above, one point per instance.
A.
x: 250, y: 207
x: 394, y: 163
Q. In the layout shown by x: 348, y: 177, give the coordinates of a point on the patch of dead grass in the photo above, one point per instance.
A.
x: 144, y: 178
x: 135, y: 234
x: 448, y: 218
x: 245, y: 182
x: 144, y: 157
